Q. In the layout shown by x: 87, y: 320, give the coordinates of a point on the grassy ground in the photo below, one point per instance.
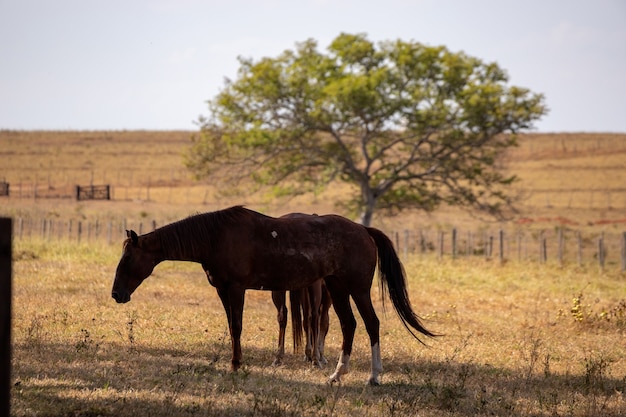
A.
x: 521, y: 339
x: 518, y: 341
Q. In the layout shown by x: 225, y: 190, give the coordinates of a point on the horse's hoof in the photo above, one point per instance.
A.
x: 334, y: 378
x: 373, y: 382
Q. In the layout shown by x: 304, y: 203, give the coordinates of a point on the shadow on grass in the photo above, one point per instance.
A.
x: 113, y: 379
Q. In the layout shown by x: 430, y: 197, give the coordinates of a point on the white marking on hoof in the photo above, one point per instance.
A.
x: 343, y: 367
x: 377, y: 366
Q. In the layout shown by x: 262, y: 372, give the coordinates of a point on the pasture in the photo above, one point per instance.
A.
x: 521, y: 338
x: 518, y: 342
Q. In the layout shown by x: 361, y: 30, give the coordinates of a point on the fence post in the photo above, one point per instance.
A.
x: 623, y: 253
x: 560, y: 243
x: 441, y: 235
x: 601, y: 252
x: 406, y: 240
x: 501, y: 246
x: 5, y: 314
x: 454, y: 243
x: 543, y: 248
x: 579, y: 242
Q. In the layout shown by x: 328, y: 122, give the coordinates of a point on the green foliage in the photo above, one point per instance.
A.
x: 411, y: 125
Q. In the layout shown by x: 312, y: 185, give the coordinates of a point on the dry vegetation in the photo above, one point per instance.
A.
x: 521, y: 339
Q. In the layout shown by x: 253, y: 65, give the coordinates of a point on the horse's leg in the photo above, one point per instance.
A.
x: 232, y: 300
x: 341, y: 302
x: 324, y: 322
x: 363, y: 302
x: 315, y: 299
x: 305, y: 305
x: 279, y: 299
x: 223, y: 294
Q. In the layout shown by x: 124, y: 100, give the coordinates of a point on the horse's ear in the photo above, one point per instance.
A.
x: 133, y: 236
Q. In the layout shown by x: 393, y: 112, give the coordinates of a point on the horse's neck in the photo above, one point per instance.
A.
x: 151, y: 243
x: 172, y: 249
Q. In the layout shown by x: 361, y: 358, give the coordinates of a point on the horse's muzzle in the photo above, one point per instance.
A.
x: 121, y: 297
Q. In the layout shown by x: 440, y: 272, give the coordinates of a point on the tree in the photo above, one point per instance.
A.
x: 409, y: 125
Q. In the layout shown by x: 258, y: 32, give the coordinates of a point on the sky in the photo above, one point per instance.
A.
x: 153, y: 65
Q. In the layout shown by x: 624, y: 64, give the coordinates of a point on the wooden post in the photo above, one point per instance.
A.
x: 454, y: 243
x: 6, y: 229
x: 406, y: 241
x: 543, y: 248
x: 560, y: 242
x: 579, y: 254
x: 623, y: 253
x: 441, y: 235
x: 601, y: 252
x: 486, y: 245
x: 501, y: 237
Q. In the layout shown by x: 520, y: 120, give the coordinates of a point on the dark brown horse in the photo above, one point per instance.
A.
x: 240, y: 249
x: 309, y: 313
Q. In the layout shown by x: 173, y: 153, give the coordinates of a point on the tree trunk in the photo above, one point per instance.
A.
x: 366, y: 216
x: 369, y: 204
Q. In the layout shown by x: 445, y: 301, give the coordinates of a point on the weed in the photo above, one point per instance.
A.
x: 130, y: 330
x: 35, y: 332
x: 585, y: 314
x: 531, y: 352
x: 86, y: 343
x: 596, y: 371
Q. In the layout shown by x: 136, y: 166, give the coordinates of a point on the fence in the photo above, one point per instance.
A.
x: 563, y: 246
x: 77, y: 230
x: 552, y: 245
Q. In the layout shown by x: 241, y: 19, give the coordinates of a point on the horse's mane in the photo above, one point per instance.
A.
x: 197, y: 233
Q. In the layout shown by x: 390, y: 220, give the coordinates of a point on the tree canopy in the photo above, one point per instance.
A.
x: 409, y: 125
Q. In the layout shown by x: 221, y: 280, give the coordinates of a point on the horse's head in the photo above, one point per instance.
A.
x: 136, y: 265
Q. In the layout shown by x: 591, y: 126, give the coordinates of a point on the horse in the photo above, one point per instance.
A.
x: 240, y: 249
x: 309, y: 312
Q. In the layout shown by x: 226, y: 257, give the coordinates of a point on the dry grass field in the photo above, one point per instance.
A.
x: 520, y: 338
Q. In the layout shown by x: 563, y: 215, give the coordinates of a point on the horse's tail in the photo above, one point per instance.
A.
x: 295, y: 300
x: 391, y: 274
